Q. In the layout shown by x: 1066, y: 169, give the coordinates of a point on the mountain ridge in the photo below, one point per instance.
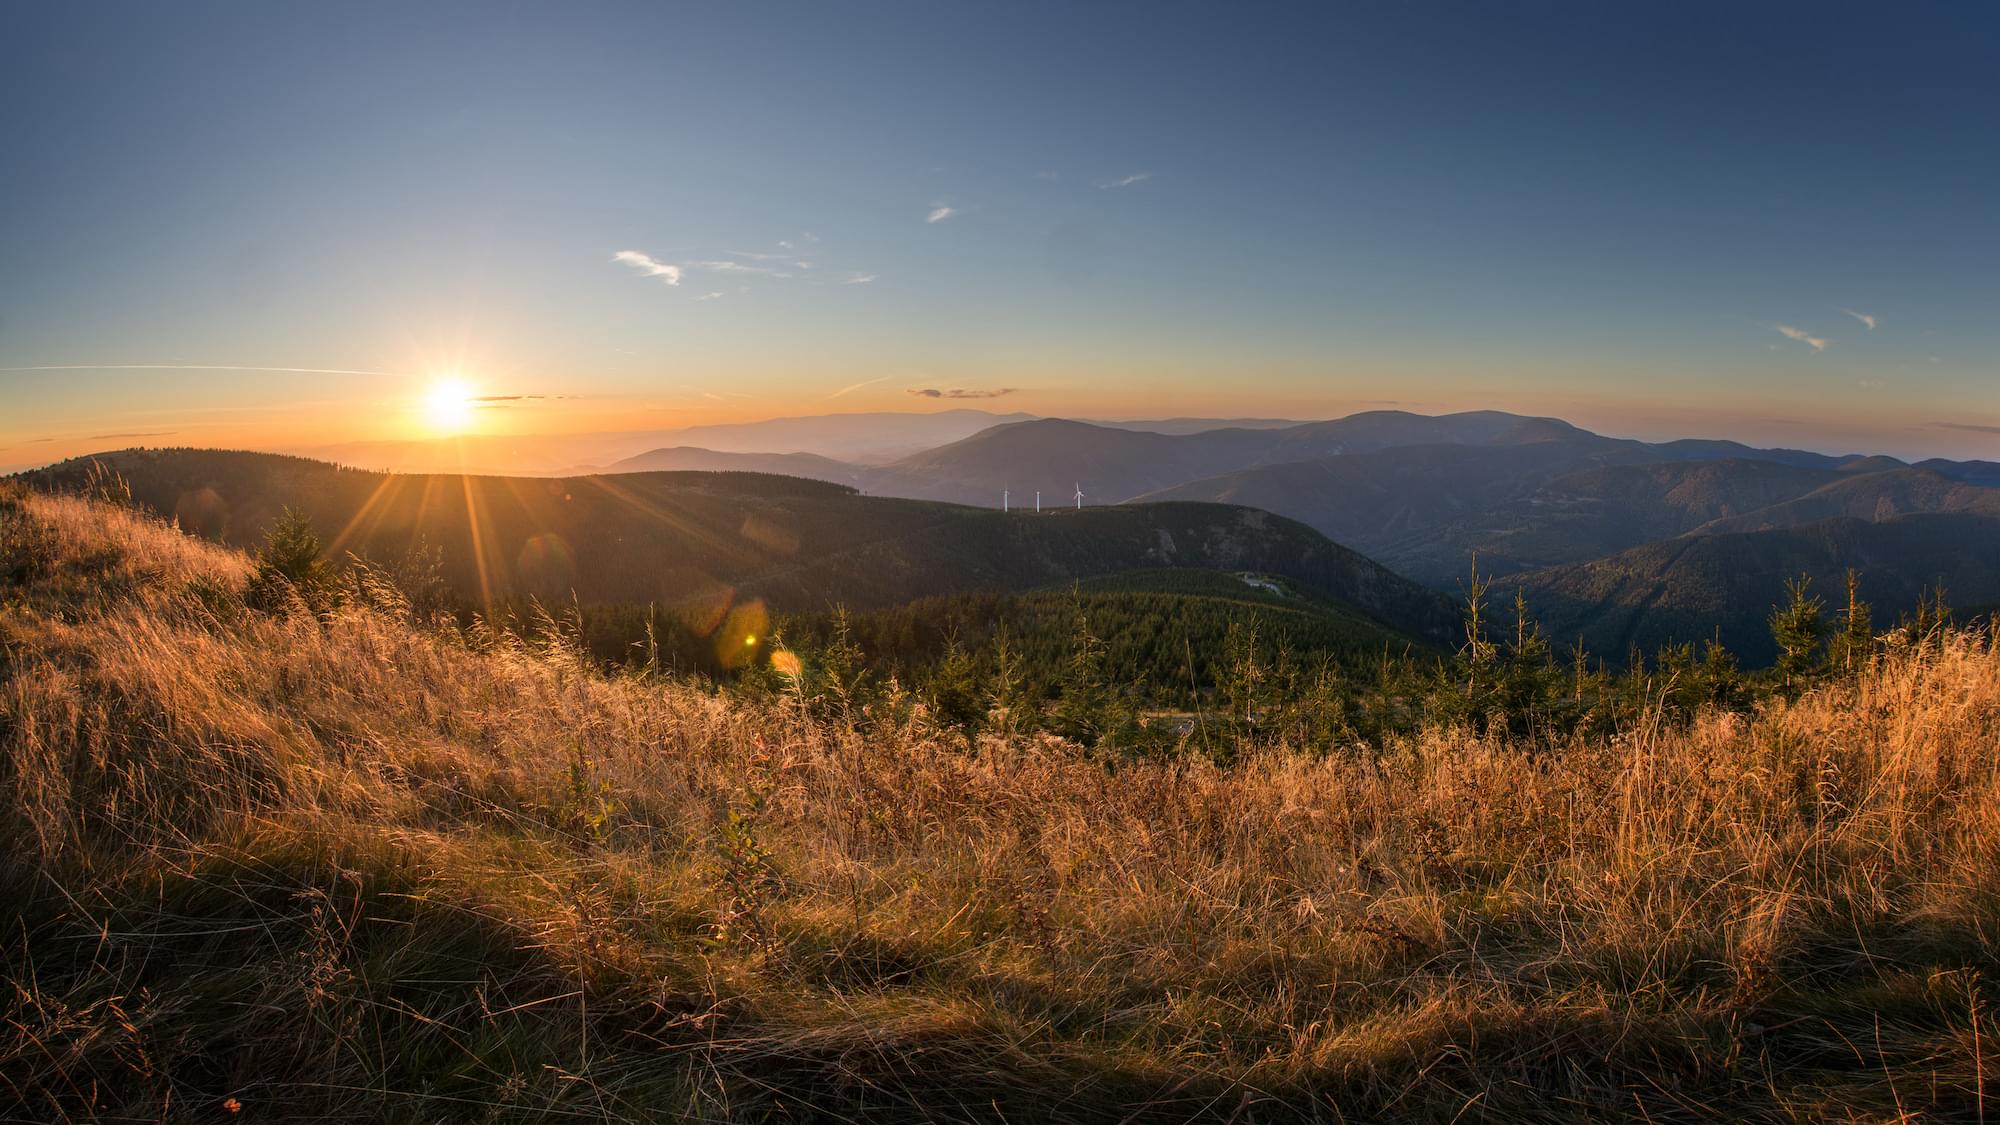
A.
x: 722, y: 539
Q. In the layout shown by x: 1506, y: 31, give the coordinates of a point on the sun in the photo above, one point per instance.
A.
x: 448, y: 406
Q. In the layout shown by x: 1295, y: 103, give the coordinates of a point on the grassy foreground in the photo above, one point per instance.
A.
x: 263, y: 867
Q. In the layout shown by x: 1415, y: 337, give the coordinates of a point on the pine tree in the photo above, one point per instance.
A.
x: 1087, y: 710
x: 1798, y: 629
x: 1680, y: 689
x: 1323, y: 707
x: 1476, y: 656
x: 1468, y: 684
x: 1529, y: 680
x: 843, y: 670
x: 1854, y: 644
x: 1932, y: 616
x: 1008, y: 692
x: 1722, y: 679
x: 290, y: 565
x: 1243, y: 677
x: 954, y: 691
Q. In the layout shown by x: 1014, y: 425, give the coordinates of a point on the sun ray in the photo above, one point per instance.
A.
x: 376, y: 505
x: 476, y: 530
x: 658, y: 510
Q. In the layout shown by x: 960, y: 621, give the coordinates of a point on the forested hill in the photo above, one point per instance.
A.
x: 1725, y: 586
x: 697, y: 540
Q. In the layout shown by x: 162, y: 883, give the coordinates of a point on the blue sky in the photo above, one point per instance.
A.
x: 1653, y: 219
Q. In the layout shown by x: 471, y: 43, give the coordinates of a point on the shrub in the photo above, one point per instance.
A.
x: 290, y: 569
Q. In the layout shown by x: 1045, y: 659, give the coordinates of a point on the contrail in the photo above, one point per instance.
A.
x: 202, y: 367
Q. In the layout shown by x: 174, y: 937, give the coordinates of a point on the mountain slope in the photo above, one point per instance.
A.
x: 1425, y: 510
x: 1873, y: 496
x: 1583, y: 515
x: 706, y: 541
x: 1695, y: 587
x: 1398, y: 496
x: 1711, y: 449
x: 1167, y: 636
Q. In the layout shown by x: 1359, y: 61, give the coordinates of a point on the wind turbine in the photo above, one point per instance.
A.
x: 1038, y: 500
x: 1079, y: 498
x: 1003, y: 499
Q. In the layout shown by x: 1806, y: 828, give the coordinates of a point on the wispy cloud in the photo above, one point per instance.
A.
x: 724, y: 265
x: 649, y: 265
x: 124, y: 437
x: 1862, y: 317
x: 1968, y: 427
x: 1816, y: 343
x: 510, y: 400
x: 753, y: 256
x: 959, y: 392
x: 1124, y: 181
x: 852, y: 387
x: 940, y: 214
x: 745, y: 265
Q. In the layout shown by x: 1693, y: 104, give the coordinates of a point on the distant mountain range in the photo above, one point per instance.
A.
x: 684, y: 458
x: 1423, y: 494
x: 1619, y: 541
x: 868, y: 438
x: 1114, y: 465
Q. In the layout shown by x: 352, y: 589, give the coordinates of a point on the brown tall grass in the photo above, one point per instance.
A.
x: 282, y: 867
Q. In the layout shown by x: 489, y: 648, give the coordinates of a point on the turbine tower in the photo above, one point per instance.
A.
x: 1038, y: 500
x: 1003, y: 499
x: 1079, y: 498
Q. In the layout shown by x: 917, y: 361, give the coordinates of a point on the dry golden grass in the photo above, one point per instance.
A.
x: 277, y: 867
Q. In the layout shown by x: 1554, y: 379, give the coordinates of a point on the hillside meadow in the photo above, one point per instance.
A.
x: 277, y: 865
